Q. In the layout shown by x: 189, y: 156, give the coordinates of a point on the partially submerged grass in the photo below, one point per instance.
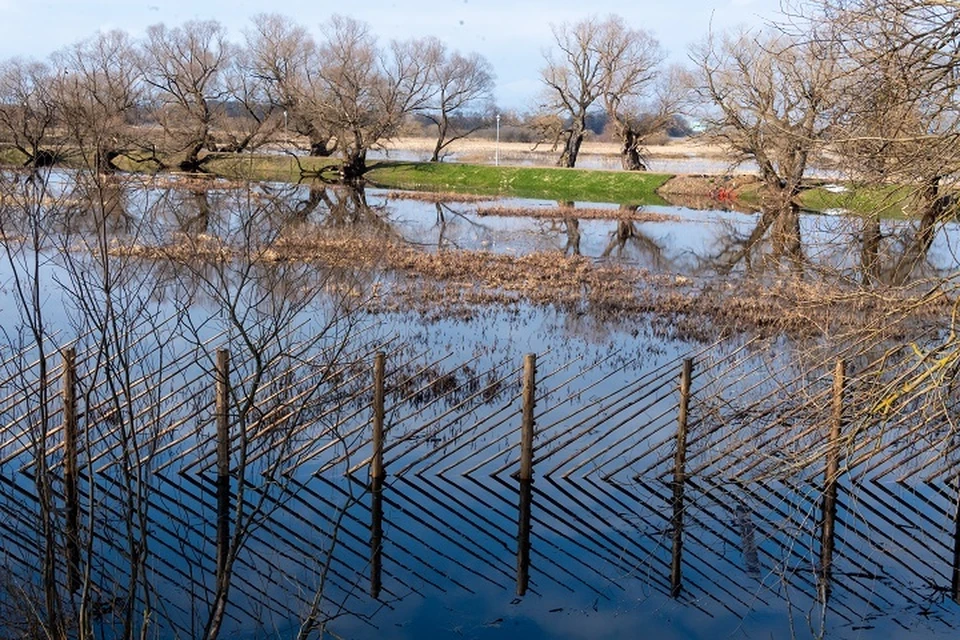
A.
x: 459, y: 283
x: 580, y: 213
x: 443, y: 197
x: 889, y: 201
x: 271, y: 168
x: 562, y: 185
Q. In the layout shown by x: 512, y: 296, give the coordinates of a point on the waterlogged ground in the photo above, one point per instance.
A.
x: 447, y: 531
x: 668, y: 239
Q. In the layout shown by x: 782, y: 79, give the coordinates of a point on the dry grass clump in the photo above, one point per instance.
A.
x: 580, y: 214
x: 187, y: 181
x: 443, y: 197
x: 699, y: 185
x: 181, y: 248
x: 333, y: 249
x: 458, y: 283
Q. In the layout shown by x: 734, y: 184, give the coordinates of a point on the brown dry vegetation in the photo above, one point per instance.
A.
x: 195, y: 182
x: 711, y: 192
x: 443, y: 197
x: 459, y: 283
x: 578, y: 213
x: 700, y: 185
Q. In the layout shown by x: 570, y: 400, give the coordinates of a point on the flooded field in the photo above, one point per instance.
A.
x: 225, y: 448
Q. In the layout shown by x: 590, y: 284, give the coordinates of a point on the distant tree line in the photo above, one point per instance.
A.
x: 873, y: 83
x: 182, y: 93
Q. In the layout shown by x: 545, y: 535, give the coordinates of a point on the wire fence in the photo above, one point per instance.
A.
x: 760, y: 479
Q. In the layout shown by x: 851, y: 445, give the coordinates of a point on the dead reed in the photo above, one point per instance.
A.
x: 456, y: 283
x: 594, y: 213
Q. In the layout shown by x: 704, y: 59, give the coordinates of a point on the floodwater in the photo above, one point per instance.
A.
x: 451, y: 543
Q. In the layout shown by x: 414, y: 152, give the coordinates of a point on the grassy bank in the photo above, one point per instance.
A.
x: 548, y: 183
x: 523, y: 182
x: 889, y: 202
x: 886, y: 201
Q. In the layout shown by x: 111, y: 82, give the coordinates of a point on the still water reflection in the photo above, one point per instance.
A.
x: 452, y: 544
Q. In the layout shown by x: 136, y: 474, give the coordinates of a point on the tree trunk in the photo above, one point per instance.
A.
x: 936, y: 207
x: 441, y: 137
x: 320, y: 146
x: 354, y: 166
x: 107, y: 157
x: 191, y: 162
x: 571, y: 149
x: 630, y: 158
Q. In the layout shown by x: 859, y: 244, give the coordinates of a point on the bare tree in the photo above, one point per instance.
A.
x: 771, y: 100
x: 457, y: 85
x: 574, y: 82
x: 605, y: 63
x: 29, y: 203
x: 27, y: 108
x: 630, y: 62
x: 184, y: 66
x: 251, y: 119
x: 284, y: 56
x: 367, y: 92
x: 901, y: 123
x: 97, y: 92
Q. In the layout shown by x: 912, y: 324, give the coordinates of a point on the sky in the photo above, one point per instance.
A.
x: 511, y: 34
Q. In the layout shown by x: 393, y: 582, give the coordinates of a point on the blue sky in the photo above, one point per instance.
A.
x: 512, y: 34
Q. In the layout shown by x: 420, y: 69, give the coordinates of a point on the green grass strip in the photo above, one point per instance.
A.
x: 562, y: 185
x: 888, y: 201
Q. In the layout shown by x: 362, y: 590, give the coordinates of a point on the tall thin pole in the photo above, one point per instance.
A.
x: 377, y: 474
x: 679, y: 478
x: 70, y: 467
x: 223, y: 460
x: 527, y: 427
x: 830, y: 480
x: 526, y: 471
x: 497, y: 155
x: 376, y: 463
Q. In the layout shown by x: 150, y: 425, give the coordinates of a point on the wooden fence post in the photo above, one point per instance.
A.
x: 527, y: 427
x: 71, y: 493
x: 679, y: 478
x: 829, y: 507
x: 223, y: 460
x: 377, y: 474
x: 379, y: 367
x: 376, y: 537
x: 526, y: 472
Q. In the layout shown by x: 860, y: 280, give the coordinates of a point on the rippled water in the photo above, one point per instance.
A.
x: 447, y: 529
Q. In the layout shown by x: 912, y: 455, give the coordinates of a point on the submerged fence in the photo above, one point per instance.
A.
x: 347, y: 480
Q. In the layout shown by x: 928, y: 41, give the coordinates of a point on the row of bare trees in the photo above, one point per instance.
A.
x: 606, y: 64
x: 185, y: 91
x: 871, y: 83
x: 865, y: 87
